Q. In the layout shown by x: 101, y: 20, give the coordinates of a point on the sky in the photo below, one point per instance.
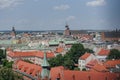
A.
x: 55, y: 14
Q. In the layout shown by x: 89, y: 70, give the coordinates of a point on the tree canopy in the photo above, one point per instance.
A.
x: 114, y: 54
x: 70, y: 58
x: 8, y: 74
x: 6, y: 63
x: 56, y: 61
x: 2, y: 54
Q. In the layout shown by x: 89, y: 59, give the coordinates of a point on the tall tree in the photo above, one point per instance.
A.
x: 75, y: 52
x: 114, y: 54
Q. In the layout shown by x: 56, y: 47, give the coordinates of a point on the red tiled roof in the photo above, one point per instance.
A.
x: 91, y: 63
x: 85, y: 75
x: 56, y: 72
x: 28, y: 67
x: 30, y: 53
x: 59, y: 50
x: 111, y: 63
x: 103, y: 52
x: 60, y: 72
x: 86, y: 55
x: 99, y: 67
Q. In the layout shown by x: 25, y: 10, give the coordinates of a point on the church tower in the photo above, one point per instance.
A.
x: 13, y: 33
x: 67, y: 30
x: 45, y: 74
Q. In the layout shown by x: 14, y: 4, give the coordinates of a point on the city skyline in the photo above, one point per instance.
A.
x: 53, y: 15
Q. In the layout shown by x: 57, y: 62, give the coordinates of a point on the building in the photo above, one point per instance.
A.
x: 13, y: 33
x: 102, y: 54
x: 34, y: 72
x: 67, y: 30
x: 28, y: 70
x: 85, y: 59
x: 111, y: 36
x: 34, y: 56
x: 111, y: 63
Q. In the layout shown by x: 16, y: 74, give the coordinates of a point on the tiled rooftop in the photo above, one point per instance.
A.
x: 30, y: 53
x: 104, y: 52
x: 86, y: 55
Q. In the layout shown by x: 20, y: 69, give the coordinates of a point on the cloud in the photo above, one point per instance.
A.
x: 96, y: 3
x: 9, y: 3
x: 70, y: 18
x: 62, y: 7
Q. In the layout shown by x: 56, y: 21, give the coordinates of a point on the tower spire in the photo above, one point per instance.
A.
x: 13, y: 33
x: 45, y: 62
x: 45, y: 68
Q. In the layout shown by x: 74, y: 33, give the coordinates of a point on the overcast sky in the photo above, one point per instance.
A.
x: 54, y: 14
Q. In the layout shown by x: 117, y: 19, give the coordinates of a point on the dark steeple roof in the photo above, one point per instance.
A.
x: 13, y: 29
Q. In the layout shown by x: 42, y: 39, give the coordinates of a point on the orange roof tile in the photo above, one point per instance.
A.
x: 28, y: 67
x: 30, y: 53
x: 91, y: 63
x: 85, y: 75
x: 86, y: 55
x: 59, y: 50
x: 111, y: 63
x: 103, y: 52
x: 60, y: 72
x: 99, y: 67
x: 56, y: 72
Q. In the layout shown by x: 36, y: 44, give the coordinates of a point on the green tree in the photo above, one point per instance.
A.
x: 8, y: 74
x: 69, y: 64
x: 75, y: 52
x: 89, y: 50
x: 6, y: 63
x: 77, y: 69
x: 2, y: 54
x: 114, y: 54
x: 84, y: 69
x: 70, y: 58
x: 57, y: 61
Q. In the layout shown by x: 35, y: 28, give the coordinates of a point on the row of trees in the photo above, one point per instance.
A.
x: 70, y: 58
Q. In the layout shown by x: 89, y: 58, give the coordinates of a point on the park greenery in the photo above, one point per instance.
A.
x: 9, y: 74
x: 70, y: 58
x: 6, y: 63
x: 3, y: 61
x: 2, y: 54
x: 114, y: 54
x: 6, y: 72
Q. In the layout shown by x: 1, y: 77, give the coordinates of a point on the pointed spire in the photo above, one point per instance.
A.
x: 13, y: 29
x: 45, y: 62
x: 67, y: 26
x: 45, y: 68
x: 13, y: 33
